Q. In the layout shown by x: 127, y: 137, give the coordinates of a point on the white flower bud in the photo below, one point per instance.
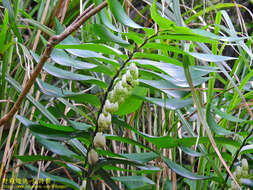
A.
x: 233, y: 185
x: 107, y: 106
x: 238, y: 172
x: 124, y: 91
x: 112, y: 96
x: 129, y: 77
x: 104, y: 121
x: 135, y: 82
x: 115, y: 107
x: 101, y: 120
x: 245, y: 173
x: 120, y: 90
x: 83, y: 186
x: 124, y: 81
x: 117, y: 88
x: 110, y: 107
x: 92, y: 157
x: 134, y: 70
x: 99, y: 140
x: 108, y: 119
x: 245, y: 165
x: 121, y: 99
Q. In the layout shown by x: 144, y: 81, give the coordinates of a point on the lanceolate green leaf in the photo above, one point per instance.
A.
x: 165, y: 86
x: 191, y: 152
x: 170, y: 103
x: 141, y: 157
x: 182, y: 171
x: 175, y: 71
x: 248, y: 149
x: 107, y: 36
x: 56, y: 147
x: 211, y: 35
x: 161, y: 21
x: 61, y: 57
x: 127, y: 179
x: 227, y: 116
x: 60, y: 73
x: 213, y: 125
x: 210, y: 57
x: 100, y: 48
x: 180, y: 82
x: 3, y: 32
x: 120, y: 14
x: 103, y: 17
x: 40, y: 26
x: 51, y: 90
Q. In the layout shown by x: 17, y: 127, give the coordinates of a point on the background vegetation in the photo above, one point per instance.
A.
x: 184, y: 118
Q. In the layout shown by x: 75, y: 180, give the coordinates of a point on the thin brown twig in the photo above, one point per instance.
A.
x: 54, y: 40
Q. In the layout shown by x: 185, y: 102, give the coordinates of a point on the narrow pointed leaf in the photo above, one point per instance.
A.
x: 103, y: 17
x: 127, y: 179
x: 182, y: 171
x: 61, y: 57
x: 56, y: 147
x: 211, y: 57
x: 227, y: 116
x: 99, y: 48
x: 119, y: 13
x: 106, y: 35
x: 172, y: 104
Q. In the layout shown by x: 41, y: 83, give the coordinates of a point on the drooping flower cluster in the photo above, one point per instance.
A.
x: 120, y: 92
x: 240, y: 172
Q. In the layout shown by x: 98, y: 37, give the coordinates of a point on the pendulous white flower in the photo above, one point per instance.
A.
x: 135, y: 82
x: 245, y: 173
x: 99, y: 140
x: 119, y: 90
x: 238, y: 172
x: 104, y: 121
x: 134, y: 70
x: 124, y: 81
x: 92, y: 157
x: 245, y: 165
x: 129, y: 77
x: 83, y: 186
x: 110, y: 106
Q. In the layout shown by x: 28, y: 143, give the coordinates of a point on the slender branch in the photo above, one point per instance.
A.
x: 54, y: 40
